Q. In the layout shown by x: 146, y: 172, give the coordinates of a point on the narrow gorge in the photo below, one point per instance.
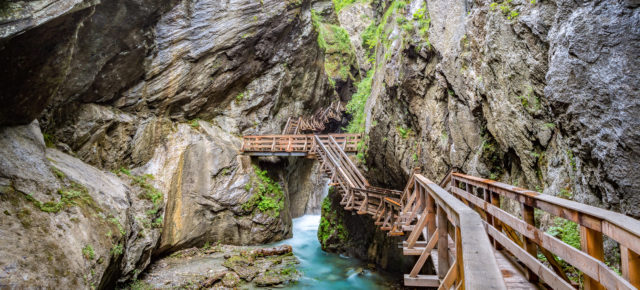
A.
x: 126, y: 134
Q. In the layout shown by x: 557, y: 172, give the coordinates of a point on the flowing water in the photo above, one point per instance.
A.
x: 322, y: 270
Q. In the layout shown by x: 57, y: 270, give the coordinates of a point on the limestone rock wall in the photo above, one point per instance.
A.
x: 539, y: 94
x: 135, y: 99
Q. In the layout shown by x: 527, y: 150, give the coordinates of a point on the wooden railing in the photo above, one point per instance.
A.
x: 466, y: 263
x: 523, y: 239
x: 302, y: 144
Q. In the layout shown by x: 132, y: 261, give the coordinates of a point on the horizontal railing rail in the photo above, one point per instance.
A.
x: 473, y: 266
x: 297, y: 143
x: 523, y: 239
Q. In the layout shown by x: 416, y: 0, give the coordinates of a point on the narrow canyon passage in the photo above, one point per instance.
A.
x: 158, y: 144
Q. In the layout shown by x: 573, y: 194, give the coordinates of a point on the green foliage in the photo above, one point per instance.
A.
x: 356, y: 105
x: 117, y: 250
x: 88, y: 252
x: 150, y: 192
x: 444, y: 137
x: 404, y: 132
x: 125, y: 171
x: 335, y: 42
x: 268, y: 196
x: 195, y: 123
x: 240, y: 97
x: 565, y: 193
x: 157, y: 223
x: 549, y: 125
x: 567, y: 231
x: 506, y: 8
x: 422, y: 21
x: 49, y: 140
x: 572, y: 160
x: 339, y: 4
x: 69, y: 196
x: 58, y: 173
x: 140, y: 285
x: 116, y: 222
x: 330, y: 223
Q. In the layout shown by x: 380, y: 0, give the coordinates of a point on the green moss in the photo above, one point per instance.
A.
x: 58, y: 173
x: 117, y: 250
x: 49, y: 140
x: 157, y: 223
x: 240, y: 97
x: 404, y: 131
x: 116, y: 222
x: 336, y: 44
x: 356, y: 106
x: 195, y: 123
x: 69, y: 196
x: 331, y: 223
x: 267, y: 197
x: 88, y: 252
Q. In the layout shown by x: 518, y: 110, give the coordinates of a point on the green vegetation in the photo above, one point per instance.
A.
x: 356, y: 105
x: 492, y: 155
x: 444, y: 137
x: 569, y: 233
x: 157, y: 223
x: 195, y: 123
x: 49, y: 140
x: 69, y: 196
x: 149, y: 192
x: 268, y: 197
x: 240, y: 97
x: 58, y: 173
x: 422, y: 22
x: 506, y: 8
x: 565, y: 193
x: 404, y: 132
x: 140, y: 285
x: 88, y: 252
x: 336, y: 44
x: 339, y: 4
x: 117, y: 250
x: 530, y: 101
x: 572, y: 160
x: 330, y: 224
x: 549, y: 125
x: 116, y: 222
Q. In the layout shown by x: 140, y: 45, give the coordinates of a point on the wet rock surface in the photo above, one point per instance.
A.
x: 223, y: 266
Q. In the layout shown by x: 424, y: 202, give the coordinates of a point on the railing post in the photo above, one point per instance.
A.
x: 431, y: 215
x: 630, y: 266
x: 529, y: 217
x: 591, y: 243
x: 443, y: 243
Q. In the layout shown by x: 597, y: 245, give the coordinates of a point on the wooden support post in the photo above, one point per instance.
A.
x: 487, y: 197
x: 459, y: 258
x: 431, y: 215
x: 529, y: 245
x: 630, y: 266
x: 443, y: 243
x: 495, y: 200
x: 591, y: 243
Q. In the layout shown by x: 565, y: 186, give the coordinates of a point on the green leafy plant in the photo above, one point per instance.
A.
x: 88, y: 252
x: 404, y: 132
x: 267, y: 197
x: 117, y: 250
x: 195, y: 123
x: 356, y: 106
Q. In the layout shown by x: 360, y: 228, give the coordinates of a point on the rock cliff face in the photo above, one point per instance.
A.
x: 537, y: 94
x: 140, y: 107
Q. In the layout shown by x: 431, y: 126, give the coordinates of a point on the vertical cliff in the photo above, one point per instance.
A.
x: 139, y: 108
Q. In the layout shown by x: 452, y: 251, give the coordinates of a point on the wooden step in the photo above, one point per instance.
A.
x: 421, y: 281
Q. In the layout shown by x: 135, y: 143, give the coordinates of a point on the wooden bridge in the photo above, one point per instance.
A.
x: 460, y: 224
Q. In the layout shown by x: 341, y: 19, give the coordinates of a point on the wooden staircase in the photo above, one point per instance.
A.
x: 460, y: 225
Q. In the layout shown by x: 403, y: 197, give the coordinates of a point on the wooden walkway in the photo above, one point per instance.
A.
x: 459, y: 224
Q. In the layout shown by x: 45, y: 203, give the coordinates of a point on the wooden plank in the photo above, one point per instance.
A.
x: 450, y: 278
x: 555, y: 281
x: 591, y: 242
x: 443, y: 243
x: 423, y: 257
x: 421, y: 281
x: 630, y: 264
x: 529, y: 245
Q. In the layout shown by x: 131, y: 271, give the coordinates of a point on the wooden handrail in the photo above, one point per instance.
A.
x: 478, y: 269
x: 593, y: 222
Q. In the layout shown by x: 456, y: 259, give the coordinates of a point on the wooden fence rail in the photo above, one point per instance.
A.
x: 524, y: 240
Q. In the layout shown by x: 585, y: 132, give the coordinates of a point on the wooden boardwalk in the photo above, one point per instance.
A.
x: 459, y: 223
